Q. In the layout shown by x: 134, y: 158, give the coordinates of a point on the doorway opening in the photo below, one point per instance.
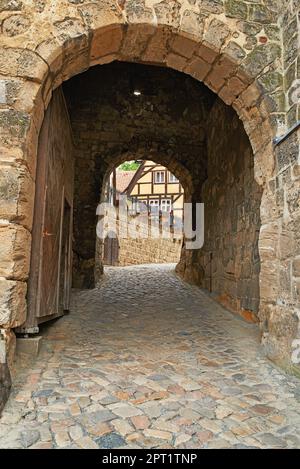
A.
x: 145, y: 204
x: 177, y: 130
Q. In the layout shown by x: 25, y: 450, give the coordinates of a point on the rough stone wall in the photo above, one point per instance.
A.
x: 279, y: 242
x: 290, y: 25
x: 149, y: 251
x: 280, y: 236
x: 229, y: 264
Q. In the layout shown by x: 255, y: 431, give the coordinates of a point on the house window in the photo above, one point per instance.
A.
x: 165, y: 205
x: 172, y: 178
x: 159, y: 177
x: 154, y: 205
x: 141, y: 206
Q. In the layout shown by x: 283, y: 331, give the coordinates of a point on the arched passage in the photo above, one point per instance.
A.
x: 143, y: 200
x: 208, y: 50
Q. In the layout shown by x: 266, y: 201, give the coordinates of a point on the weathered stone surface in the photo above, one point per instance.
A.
x: 23, y: 63
x: 296, y: 267
x: 183, y: 46
x: 260, y: 57
x: 192, y: 23
x: 5, y: 383
x: 106, y: 43
x: 29, y: 437
x: 167, y: 12
x: 15, y: 250
x: 15, y: 24
x: 236, y: 9
x: 10, y: 5
x: 12, y: 303
x: 17, y: 195
x: 13, y: 124
x: 7, y: 347
x: 135, y: 41
x: 137, y: 12
x: 216, y: 34
x: 198, y: 68
x: 112, y: 440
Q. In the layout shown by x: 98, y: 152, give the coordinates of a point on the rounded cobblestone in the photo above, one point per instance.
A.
x: 145, y: 360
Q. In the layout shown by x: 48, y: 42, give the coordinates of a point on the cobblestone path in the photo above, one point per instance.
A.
x: 148, y: 361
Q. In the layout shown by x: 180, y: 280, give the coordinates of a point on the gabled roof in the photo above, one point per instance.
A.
x: 123, y: 179
x: 138, y: 173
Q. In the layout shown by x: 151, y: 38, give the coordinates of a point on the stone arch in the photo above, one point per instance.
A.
x: 168, y: 34
x: 170, y: 162
x: 160, y: 157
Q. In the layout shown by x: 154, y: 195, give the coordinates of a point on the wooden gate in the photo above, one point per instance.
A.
x: 51, y: 254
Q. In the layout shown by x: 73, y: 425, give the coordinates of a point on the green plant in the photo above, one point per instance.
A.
x: 129, y: 166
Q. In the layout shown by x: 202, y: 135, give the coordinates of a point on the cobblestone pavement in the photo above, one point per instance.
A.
x: 147, y: 361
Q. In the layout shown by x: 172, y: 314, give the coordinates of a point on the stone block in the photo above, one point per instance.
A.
x: 236, y: 9
x: 23, y: 63
x: 197, y: 68
x: 177, y: 62
x: 260, y: 57
x: 207, y: 53
x: 157, y: 47
x: 286, y: 244
x: 296, y: 267
x: 136, y: 12
x: 17, y: 194
x: 7, y: 347
x: 135, y: 41
x: 183, y: 46
x: 13, y: 124
x: 51, y: 51
x: 231, y: 90
x: 268, y: 241
x: 12, y: 303
x: 29, y: 345
x: 106, y: 42
x: 269, y: 280
x: 215, y: 34
x: 167, y: 13
x: 219, y: 73
x: 192, y: 24
x: 15, y: 242
x: 288, y: 151
x: 5, y: 384
x: 101, y: 14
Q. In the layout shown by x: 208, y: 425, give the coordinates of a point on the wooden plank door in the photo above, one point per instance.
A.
x: 51, y: 254
x: 111, y: 251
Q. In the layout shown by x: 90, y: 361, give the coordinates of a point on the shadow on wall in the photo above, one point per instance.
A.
x: 5, y: 380
x: 229, y: 263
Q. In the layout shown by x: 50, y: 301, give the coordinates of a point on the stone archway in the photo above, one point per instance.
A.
x: 208, y: 44
x: 175, y: 167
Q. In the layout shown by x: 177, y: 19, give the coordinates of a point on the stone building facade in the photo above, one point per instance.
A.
x: 244, y: 52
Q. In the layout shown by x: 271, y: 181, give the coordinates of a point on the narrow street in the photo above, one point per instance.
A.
x: 147, y: 361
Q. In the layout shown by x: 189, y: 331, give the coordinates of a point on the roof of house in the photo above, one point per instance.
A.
x: 123, y: 179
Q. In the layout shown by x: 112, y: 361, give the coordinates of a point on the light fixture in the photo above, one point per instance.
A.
x: 137, y: 93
